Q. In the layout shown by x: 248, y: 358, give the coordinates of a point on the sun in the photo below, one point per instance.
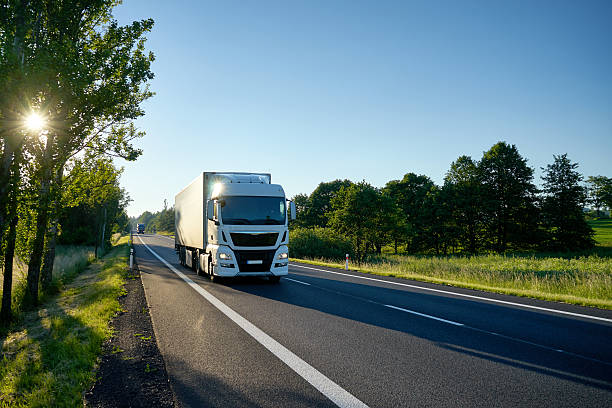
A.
x: 35, y: 122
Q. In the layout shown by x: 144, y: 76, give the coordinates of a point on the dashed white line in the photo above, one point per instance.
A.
x: 505, y: 302
x: 297, y: 281
x: 327, y: 387
x: 425, y: 315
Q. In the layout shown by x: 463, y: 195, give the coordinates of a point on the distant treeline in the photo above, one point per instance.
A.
x: 159, y: 221
x: 486, y: 205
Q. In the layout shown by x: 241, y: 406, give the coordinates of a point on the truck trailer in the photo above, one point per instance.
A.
x: 231, y: 224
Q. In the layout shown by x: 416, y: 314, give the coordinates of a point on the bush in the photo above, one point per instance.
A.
x: 318, y: 243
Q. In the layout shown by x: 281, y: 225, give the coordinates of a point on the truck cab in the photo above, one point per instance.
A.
x: 248, y: 230
x: 234, y: 224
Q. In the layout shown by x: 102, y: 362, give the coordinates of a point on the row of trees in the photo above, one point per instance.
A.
x: 487, y: 205
x: 159, y: 221
x: 82, y: 77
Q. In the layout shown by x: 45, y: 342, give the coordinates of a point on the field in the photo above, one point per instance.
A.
x: 603, y: 231
x: 580, y: 278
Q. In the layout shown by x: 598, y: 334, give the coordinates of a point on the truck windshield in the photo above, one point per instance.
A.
x: 236, y: 210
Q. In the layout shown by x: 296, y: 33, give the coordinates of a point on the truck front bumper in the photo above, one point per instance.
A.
x: 253, y: 263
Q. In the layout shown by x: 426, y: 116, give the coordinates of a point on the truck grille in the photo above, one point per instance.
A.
x: 254, y: 240
x: 242, y: 257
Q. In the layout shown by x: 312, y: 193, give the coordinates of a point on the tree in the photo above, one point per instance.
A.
x: 508, y: 197
x: 302, y: 204
x: 316, y: 214
x: 92, y: 202
x: 71, y: 62
x: 562, y: 206
x: 410, y: 195
x: 600, y: 192
x: 355, y: 212
x: 462, y: 187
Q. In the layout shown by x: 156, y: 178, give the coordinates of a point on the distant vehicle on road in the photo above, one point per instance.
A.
x: 140, y: 228
x: 233, y: 224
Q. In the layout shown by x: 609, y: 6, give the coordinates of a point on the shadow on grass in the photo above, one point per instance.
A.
x: 48, y: 358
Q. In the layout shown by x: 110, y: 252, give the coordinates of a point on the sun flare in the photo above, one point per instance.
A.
x: 35, y: 122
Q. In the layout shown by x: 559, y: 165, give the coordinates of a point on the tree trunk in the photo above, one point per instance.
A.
x: 42, y: 219
x: 49, y: 258
x: 5, y: 188
x: 7, y: 285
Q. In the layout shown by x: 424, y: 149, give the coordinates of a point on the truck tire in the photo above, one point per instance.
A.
x: 274, y: 279
x: 213, y: 278
x: 181, y: 255
x: 197, y: 264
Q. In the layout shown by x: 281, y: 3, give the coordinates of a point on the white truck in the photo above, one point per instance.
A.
x: 233, y: 224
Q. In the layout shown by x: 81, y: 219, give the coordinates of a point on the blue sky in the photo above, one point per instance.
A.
x: 313, y: 91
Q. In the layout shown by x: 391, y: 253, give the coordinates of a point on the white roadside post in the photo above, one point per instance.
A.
x: 346, y: 263
x: 131, y: 259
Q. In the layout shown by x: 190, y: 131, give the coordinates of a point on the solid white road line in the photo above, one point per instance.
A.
x: 297, y: 281
x: 327, y: 387
x: 603, y: 319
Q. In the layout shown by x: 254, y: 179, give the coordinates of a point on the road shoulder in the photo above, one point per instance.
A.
x: 132, y: 372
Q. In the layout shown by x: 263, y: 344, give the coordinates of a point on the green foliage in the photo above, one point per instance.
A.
x: 92, y: 200
x: 572, y: 278
x: 160, y: 221
x: 600, y: 192
x: 314, y: 210
x: 562, y: 206
x: 318, y: 242
x: 412, y: 195
x: 508, y: 197
x: 49, y: 356
x: 463, y: 190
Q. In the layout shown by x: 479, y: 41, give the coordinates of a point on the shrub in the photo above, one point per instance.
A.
x: 318, y: 243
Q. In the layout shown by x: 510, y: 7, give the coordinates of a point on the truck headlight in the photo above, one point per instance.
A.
x: 283, y: 255
x: 224, y: 256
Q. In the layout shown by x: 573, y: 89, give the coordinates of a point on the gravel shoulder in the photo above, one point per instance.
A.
x: 132, y: 372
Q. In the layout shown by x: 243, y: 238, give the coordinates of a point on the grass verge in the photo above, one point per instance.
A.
x: 48, y: 357
x: 583, y: 280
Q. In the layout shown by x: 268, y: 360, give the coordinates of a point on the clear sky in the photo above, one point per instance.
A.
x: 313, y: 91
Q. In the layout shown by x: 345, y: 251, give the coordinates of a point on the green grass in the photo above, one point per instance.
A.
x: 579, y: 278
x: 166, y: 233
x: 48, y: 357
x: 603, y: 231
x: 585, y: 280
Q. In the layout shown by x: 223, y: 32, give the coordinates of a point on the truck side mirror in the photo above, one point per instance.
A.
x: 210, y: 210
x: 293, y: 213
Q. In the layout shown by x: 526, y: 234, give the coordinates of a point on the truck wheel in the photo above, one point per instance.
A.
x: 211, y: 275
x: 274, y: 279
x: 197, y: 264
x: 181, y: 255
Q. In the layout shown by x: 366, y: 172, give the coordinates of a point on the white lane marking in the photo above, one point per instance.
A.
x: 603, y: 319
x: 327, y: 387
x: 424, y: 315
x: 297, y: 281
x: 465, y: 326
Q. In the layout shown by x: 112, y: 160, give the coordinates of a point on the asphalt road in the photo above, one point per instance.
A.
x: 325, y: 337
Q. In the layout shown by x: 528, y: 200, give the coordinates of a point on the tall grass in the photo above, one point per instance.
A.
x: 69, y: 262
x: 48, y: 358
x: 585, y: 280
